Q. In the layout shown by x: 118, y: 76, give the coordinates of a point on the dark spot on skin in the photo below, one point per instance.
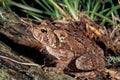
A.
x: 44, y: 30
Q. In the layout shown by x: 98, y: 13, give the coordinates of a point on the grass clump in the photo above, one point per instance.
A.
x: 98, y: 10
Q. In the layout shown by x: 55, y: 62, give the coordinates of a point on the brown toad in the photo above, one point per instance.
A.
x: 71, y: 49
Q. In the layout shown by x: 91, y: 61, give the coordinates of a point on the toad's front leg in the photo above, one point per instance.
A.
x: 59, y: 68
x: 63, y: 56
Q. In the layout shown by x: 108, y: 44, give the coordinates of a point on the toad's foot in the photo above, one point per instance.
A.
x: 53, y: 69
x: 85, y: 75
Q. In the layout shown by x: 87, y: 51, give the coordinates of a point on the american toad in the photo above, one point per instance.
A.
x: 71, y: 48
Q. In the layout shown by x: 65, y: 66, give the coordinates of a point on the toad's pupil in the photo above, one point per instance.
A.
x: 43, y: 30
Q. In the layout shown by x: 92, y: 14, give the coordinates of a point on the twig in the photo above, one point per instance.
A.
x: 28, y: 64
x: 113, y: 73
x: 115, y: 18
x: 113, y: 32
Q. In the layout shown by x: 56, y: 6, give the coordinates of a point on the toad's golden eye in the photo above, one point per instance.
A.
x: 43, y: 30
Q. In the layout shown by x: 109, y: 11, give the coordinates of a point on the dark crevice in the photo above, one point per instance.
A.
x: 26, y: 51
x: 101, y: 44
x: 111, y: 52
x: 107, y: 51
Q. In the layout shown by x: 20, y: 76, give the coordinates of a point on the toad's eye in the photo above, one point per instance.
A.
x: 43, y: 30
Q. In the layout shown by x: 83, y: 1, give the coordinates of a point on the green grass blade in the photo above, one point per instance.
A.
x: 47, y: 3
x: 101, y: 16
x: 95, y: 9
x: 26, y: 7
x: 57, y: 14
x: 76, y: 6
x: 71, y: 10
x: 43, y: 6
x: 105, y: 10
x: 71, y: 3
x: 35, y: 17
x: 113, y: 9
x: 58, y: 7
x: 23, y: 1
x: 88, y: 5
x: 116, y: 13
x: 32, y: 13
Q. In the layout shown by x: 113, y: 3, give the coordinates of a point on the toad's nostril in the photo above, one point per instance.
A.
x: 61, y: 35
x: 44, y: 30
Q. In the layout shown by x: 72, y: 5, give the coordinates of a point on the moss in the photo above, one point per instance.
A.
x: 4, y: 75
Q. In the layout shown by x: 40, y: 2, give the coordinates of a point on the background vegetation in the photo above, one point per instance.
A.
x: 100, y: 11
